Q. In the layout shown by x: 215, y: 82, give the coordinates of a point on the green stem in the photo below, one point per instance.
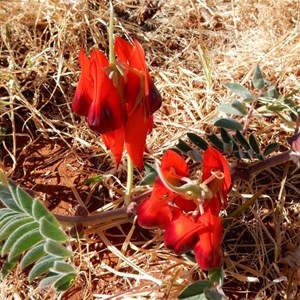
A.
x: 194, y: 190
x: 129, y: 180
x: 111, y: 35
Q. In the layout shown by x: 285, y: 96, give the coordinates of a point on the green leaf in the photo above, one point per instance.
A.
x: 6, y: 211
x: 195, y: 288
x: 249, y: 154
x: 32, y: 255
x: 216, y: 141
x: 93, y: 180
x: 151, y: 175
x: 239, y: 107
x: 197, y: 140
x: 63, y: 267
x: 8, y: 266
x: 11, y: 226
x: 40, y: 211
x: 239, y: 90
x: 228, y: 139
x: 42, y: 266
x: 213, y: 295
x: 183, y: 146
x: 239, y: 154
x: 24, y: 243
x: 216, y: 276
x: 64, y: 282
x: 15, y: 236
x: 235, y: 108
x: 228, y: 147
x: 254, y: 143
x: 49, y: 279
x: 7, y: 199
x: 55, y: 248
x: 195, y: 155
x: 270, y: 148
x: 52, y: 231
x: 258, y: 80
x: 8, y: 218
x: 272, y: 92
x: 27, y: 225
x: 228, y: 123
x: 260, y: 156
x: 13, y: 189
x: 25, y: 200
x: 242, y: 140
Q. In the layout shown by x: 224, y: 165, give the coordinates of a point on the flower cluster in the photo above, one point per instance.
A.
x: 191, y: 222
x: 118, y: 99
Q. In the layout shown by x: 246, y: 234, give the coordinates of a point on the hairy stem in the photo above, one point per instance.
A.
x: 111, y: 35
x: 257, y: 167
x: 122, y: 213
x: 129, y: 181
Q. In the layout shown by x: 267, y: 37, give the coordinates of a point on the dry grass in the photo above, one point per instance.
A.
x: 38, y: 73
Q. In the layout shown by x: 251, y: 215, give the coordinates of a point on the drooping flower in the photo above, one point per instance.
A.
x: 141, y: 96
x: 216, y: 171
x: 187, y: 225
x: 156, y: 211
x: 118, y: 105
x: 140, y: 88
x: 96, y: 97
x: 208, y: 250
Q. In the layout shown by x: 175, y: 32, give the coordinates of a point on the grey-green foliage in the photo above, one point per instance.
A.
x: 268, y: 100
x: 228, y: 142
x: 29, y: 233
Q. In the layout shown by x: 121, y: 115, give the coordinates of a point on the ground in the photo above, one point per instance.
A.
x: 51, y: 152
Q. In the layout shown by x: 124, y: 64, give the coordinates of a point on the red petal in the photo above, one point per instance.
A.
x: 138, y: 61
x: 173, y: 165
x: 105, y: 112
x: 114, y: 140
x: 155, y: 212
x: 123, y: 49
x: 214, y: 205
x: 136, y: 130
x: 208, y: 251
x: 85, y: 89
x: 154, y: 99
x: 214, y: 160
x: 184, y: 204
x: 180, y: 233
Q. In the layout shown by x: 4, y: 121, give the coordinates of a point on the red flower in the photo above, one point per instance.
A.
x: 137, y: 82
x: 156, y: 211
x: 168, y: 210
x: 96, y: 97
x: 208, y: 251
x: 181, y: 233
x: 214, y: 164
x: 119, y: 108
x: 141, y: 96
